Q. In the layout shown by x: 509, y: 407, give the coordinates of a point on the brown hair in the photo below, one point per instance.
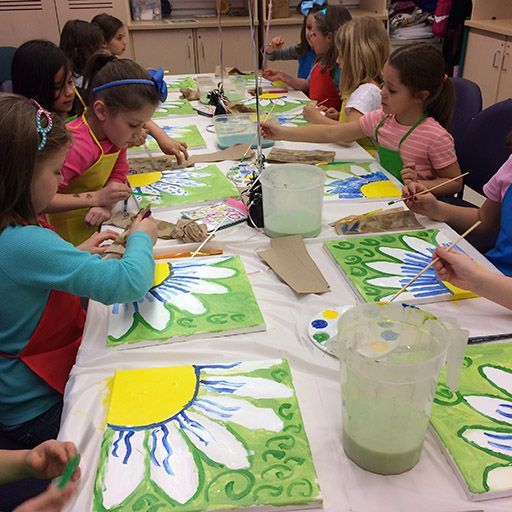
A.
x: 103, y: 68
x: 20, y: 157
x: 303, y: 46
x: 109, y: 25
x: 363, y: 44
x: 329, y: 20
x: 421, y: 68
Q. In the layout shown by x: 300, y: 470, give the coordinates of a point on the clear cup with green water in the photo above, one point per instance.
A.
x: 391, y: 356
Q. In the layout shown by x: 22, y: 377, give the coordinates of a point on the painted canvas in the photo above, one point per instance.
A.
x: 189, y: 134
x: 378, y: 266
x: 205, y: 437
x: 177, y: 83
x: 209, y: 295
x: 474, y: 424
x: 242, y: 173
x: 174, y: 107
x: 197, y: 184
x: 359, y: 181
x: 278, y: 106
x: 291, y: 120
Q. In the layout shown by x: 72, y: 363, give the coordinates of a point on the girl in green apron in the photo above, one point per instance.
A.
x: 122, y: 97
x: 409, y: 130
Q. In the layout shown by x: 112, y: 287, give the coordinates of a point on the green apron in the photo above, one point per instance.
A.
x: 390, y: 159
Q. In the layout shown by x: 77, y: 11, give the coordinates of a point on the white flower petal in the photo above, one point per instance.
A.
x: 488, y: 439
x: 495, y: 408
x: 245, y: 367
x: 238, y: 411
x: 419, y: 245
x: 207, y: 272
x: 120, y: 319
x: 338, y: 175
x: 499, y: 478
x: 386, y: 267
x: 187, y: 302
x: 358, y: 170
x: 254, y: 387
x: 374, y: 167
x: 207, y: 288
x: 125, y: 463
x: 399, y: 254
x: 172, y: 466
x: 154, y: 312
x: 214, y: 440
x: 500, y: 378
x: 387, y: 282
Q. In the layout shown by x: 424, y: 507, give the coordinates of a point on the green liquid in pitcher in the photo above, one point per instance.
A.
x: 288, y: 223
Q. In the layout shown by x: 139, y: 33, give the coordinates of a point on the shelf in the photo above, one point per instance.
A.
x: 356, y: 12
x: 170, y: 24
x: 500, y: 26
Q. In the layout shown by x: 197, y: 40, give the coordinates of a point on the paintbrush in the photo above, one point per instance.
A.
x: 434, y: 261
x: 144, y: 194
x: 210, y: 235
x: 428, y: 190
x: 269, y: 113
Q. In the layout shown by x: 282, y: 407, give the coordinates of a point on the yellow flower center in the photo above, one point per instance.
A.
x: 380, y: 189
x: 144, y: 179
x: 162, y: 272
x: 149, y: 396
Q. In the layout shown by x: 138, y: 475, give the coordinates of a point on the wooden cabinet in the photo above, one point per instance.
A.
x: 505, y: 85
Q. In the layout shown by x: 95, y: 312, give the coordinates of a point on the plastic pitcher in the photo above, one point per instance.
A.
x: 292, y: 200
x: 391, y: 356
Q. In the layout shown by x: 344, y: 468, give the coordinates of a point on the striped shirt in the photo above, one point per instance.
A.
x: 429, y: 145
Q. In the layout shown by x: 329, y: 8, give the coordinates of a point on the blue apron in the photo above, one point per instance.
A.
x: 501, y: 254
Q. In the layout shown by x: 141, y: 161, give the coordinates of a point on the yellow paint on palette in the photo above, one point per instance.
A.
x: 143, y: 179
x: 271, y: 95
x: 330, y: 314
x: 459, y: 293
x: 149, y: 396
x: 378, y: 189
x: 162, y: 272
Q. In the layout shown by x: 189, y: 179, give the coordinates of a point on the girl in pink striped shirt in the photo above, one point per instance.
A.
x: 409, y: 129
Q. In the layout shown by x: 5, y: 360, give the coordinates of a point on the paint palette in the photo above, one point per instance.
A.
x: 323, y: 328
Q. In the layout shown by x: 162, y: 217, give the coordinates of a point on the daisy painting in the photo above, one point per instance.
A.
x: 378, y: 266
x: 167, y: 188
x: 189, y: 134
x: 475, y: 423
x: 174, y: 107
x: 205, y: 437
x: 189, y: 297
x: 279, y: 105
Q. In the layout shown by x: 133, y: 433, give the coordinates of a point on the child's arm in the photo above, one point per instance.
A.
x: 168, y: 145
x: 314, y: 115
x: 451, y: 171
x: 97, y: 215
x: 51, y: 500
x: 300, y: 84
x: 460, y: 270
x: 337, y: 132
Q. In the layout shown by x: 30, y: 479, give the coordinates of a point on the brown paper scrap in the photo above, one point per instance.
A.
x: 290, y: 260
x: 236, y: 152
x: 300, y: 156
x: 189, y: 94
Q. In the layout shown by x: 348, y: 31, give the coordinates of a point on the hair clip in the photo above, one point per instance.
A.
x: 43, y: 131
x: 305, y: 7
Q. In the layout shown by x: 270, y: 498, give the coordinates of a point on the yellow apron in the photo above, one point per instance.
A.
x: 71, y: 225
x: 364, y: 142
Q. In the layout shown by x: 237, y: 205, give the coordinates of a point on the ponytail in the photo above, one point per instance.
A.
x: 440, y: 106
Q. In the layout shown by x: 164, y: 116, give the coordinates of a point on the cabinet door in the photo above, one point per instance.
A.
x: 172, y: 50
x: 291, y: 36
x: 484, y: 55
x: 505, y: 87
x: 237, y: 48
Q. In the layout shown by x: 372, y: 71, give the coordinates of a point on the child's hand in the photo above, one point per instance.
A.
x: 148, y: 225
x: 456, y: 268
x: 52, y: 500
x: 173, y: 147
x: 274, y: 45
x: 97, y: 215
x: 93, y: 243
x: 111, y: 193
x: 49, y: 459
x: 424, y: 204
x: 274, y: 75
x: 139, y: 138
x: 312, y: 114
x: 332, y: 113
x: 272, y: 130
x: 409, y: 173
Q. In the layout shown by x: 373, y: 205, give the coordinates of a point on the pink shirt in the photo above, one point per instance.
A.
x: 429, y: 145
x: 84, y: 152
x: 496, y: 188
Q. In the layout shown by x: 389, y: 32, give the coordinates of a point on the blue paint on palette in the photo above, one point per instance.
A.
x: 319, y: 324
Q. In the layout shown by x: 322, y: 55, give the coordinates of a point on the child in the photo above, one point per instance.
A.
x: 322, y: 84
x: 121, y: 99
x: 363, y: 48
x: 79, y: 40
x: 48, y: 460
x: 40, y: 70
x: 417, y: 100
x: 301, y: 51
x: 113, y: 31
x: 44, y: 277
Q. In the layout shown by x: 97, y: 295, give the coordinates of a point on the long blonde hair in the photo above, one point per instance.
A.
x: 363, y: 44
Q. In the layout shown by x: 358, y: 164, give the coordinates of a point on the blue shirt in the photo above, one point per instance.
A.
x: 34, y: 261
x: 305, y: 64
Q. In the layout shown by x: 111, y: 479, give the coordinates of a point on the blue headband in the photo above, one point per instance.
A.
x: 157, y: 80
x: 305, y: 7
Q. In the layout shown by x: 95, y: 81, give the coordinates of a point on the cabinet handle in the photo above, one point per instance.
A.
x: 188, y: 51
x: 202, y: 50
x: 497, y: 54
x: 505, y: 55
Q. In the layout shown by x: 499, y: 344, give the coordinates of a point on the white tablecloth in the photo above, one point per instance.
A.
x: 430, y: 486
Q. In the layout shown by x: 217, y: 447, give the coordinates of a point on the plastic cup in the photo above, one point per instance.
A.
x: 235, y: 129
x: 234, y: 87
x: 292, y: 200
x: 204, y: 85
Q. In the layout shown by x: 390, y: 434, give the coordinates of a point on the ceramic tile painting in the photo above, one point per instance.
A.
x: 278, y: 106
x: 189, y: 134
x: 205, y: 437
x: 474, y: 425
x: 174, y: 107
x: 359, y: 181
x: 197, y: 184
x: 378, y: 266
x: 209, y: 295
x: 177, y: 83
